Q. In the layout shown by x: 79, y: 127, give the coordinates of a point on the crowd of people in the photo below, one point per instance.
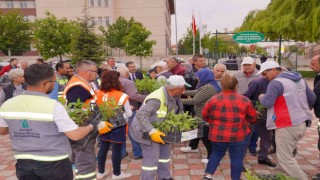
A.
x: 229, y: 104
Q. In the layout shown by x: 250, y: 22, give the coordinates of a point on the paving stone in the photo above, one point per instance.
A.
x: 181, y: 172
x: 181, y: 166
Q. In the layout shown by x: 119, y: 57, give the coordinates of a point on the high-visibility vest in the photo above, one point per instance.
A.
x: 61, y: 82
x: 33, y: 132
x: 158, y: 94
x: 76, y: 81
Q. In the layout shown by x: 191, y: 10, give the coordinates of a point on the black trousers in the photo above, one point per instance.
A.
x: 265, y: 139
x: 194, y: 143
x: 41, y: 170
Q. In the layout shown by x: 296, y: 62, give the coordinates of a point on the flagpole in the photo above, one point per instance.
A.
x: 200, y: 31
x: 194, y: 44
x: 175, y: 11
x: 194, y: 32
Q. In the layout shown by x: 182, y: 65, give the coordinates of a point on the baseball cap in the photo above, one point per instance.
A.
x: 176, y: 80
x: 268, y: 65
x: 247, y: 60
x: 160, y: 63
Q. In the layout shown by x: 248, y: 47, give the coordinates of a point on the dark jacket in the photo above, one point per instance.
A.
x: 316, y: 90
x: 138, y: 75
x: 178, y: 70
x: 8, y: 90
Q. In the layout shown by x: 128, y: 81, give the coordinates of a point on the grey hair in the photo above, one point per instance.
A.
x: 224, y: 66
x: 123, y: 71
x: 83, y: 65
x: 15, y: 73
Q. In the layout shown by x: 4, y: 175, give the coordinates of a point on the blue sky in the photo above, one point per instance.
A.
x: 216, y: 14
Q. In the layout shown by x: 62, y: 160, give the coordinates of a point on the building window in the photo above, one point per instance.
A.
x: 107, y: 21
x: 91, y: 2
x: 106, y: 2
x: 23, y: 4
x: 10, y: 4
x: 93, y: 21
x: 99, y: 22
x: 99, y: 2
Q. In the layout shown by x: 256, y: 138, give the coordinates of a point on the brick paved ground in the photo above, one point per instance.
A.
x: 188, y: 166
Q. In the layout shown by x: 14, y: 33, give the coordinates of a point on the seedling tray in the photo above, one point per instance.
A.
x: 118, y: 120
x: 176, y: 136
x: 95, y: 117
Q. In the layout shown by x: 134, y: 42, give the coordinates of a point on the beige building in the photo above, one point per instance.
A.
x: 155, y: 15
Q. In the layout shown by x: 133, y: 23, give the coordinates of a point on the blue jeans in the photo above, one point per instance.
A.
x: 236, y: 153
x: 254, y: 140
x: 136, y: 149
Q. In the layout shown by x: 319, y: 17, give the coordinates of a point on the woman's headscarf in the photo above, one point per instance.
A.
x: 206, y: 76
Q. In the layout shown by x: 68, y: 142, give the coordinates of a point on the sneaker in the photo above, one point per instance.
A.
x: 188, y: 149
x: 101, y: 175
x: 121, y: 176
x: 205, y: 161
x: 206, y: 178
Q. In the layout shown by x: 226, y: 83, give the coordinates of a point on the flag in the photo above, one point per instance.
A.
x: 194, y: 27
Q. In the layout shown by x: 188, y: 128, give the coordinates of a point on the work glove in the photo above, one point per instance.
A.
x: 104, y: 127
x: 156, y: 137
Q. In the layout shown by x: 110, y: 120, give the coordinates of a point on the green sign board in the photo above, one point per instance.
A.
x: 248, y: 37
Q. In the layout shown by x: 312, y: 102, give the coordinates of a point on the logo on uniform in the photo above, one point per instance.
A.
x: 24, y: 124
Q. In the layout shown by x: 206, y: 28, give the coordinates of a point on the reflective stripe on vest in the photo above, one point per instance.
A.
x: 153, y: 168
x: 27, y: 115
x: 86, y: 176
x: 159, y: 94
x: 40, y: 158
x: 77, y: 81
x: 122, y: 99
x: 164, y: 160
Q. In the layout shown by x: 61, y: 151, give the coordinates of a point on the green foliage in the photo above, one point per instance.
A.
x: 130, y: 36
x: 308, y: 74
x: 53, y: 36
x: 87, y: 45
x: 182, y: 122
x: 116, y: 32
x: 107, y: 108
x: 297, y: 20
x: 76, y: 111
x: 259, y: 107
x: 279, y: 176
x: 14, y: 33
x: 136, y: 41
x: 147, y: 85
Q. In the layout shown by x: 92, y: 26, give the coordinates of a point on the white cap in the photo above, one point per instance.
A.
x: 177, y: 80
x: 160, y: 63
x: 268, y: 65
x: 247, y: 60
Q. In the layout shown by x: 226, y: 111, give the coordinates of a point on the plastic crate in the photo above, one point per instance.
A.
x: 176, y: 136
x: 95, y: 117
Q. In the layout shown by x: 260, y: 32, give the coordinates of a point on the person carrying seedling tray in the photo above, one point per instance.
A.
x: 79, y: 88
x: 109, y: 98
x: 156, y: 154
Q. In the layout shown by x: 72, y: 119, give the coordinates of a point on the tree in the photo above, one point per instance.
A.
x: 297, y: 20
x: 136, y: 42
x: 53, y: 36
x: 14, y: 33
x: 185, y: 45
x: 117, y: 31
x: 87, y: 45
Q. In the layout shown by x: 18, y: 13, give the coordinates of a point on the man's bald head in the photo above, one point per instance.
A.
x: 219, y: 70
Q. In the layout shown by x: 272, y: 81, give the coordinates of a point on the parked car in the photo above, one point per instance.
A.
x: 232, y: 64
x: 3, y: 63
x: 120, y: 63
